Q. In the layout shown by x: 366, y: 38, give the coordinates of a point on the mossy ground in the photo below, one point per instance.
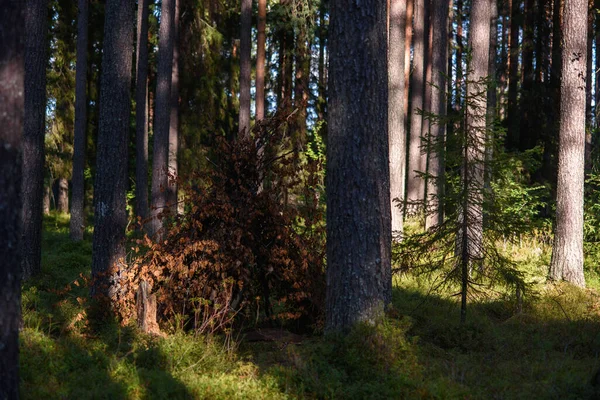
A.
x: 549, y: 349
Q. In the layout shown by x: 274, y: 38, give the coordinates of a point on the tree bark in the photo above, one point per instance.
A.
x: 435, y: 215
x: 512, y: 138
x: 12, y: 71
x: 174, y: 120
x: 245, y: 47
x: 162, y: 116
x: 358, y: 192
x: 396, y: 116
x: 111, y: 164
x: 471, y: 216
x: 260, y: 60
x: 62, y: 202
x: 46, y: 201
x: 567, y: 249
x: 141, y: 112
x: 415, y: 189
x: 77, y: 223
x: 491, y: 96
x: 589, y: 116
x: 408, y: 33
x: 36, y: 58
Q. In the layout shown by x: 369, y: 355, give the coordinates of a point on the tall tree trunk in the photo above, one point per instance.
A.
x: 415, y: 189
x: 459, y: 54
x: 512, y: 139
x: 471, y: 218
x: 439, y: 22
x: 46, y: 201
x: 174, y: 119
x: 597, y: 76
x: 162, y: 114
x: 504, y: 62
x: 62, y: 202
x: 408, y: 33
x: 491, y: 95
x: 396, y: 117
x: 11, y: 141
x: 527, y: 136
x: 34, y: 129
x: 301, y: 88
x: 141, y: 112
x: 77, y: 223
x: 260, y: 60
x: 245, y: 47
x: 110, y: 184
x: 426, y: 126
x: 589, y: 116
x: 359, y: 282
x: 567, y: 249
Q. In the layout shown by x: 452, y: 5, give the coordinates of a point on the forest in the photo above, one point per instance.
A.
x: 289, y: 199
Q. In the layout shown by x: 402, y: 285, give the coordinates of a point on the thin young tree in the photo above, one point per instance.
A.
x: 12, y: 71
x: 396, y: 116
x: 260, y: 60
x: 470, y: 237
x: 141, y: 112
x: 174, y: 120
x: 110, y: 184
x: 162, y: 114
x: 439, y: 62
x: 358, y: 192
x: 245, y: 47
x: 567, y: 249
x: 415, y: 188
x: 77, y: 223
x: 36, y: 58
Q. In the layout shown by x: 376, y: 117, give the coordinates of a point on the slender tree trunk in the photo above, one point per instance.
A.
x: 36, y: 58
x: 408, y: 33
x: 358, y: 192
x: 435, y: 215
x: 527, y: 136
x: 62, y: 203
x: 426, y: 125
x: 512, y: 139
x: 415, y: 184
x: 301, y: 88
x: 174, y: 119
x: 77, y: 223
x: 491, y: 95
x: 12, y: 71
x: 597, y: 75
x: 589, y: 116
x: 567, y: 249
x: 471, y: 218
x: 504, y: 62
x: 396, y: 117
x: 245, y: 47
x: 459, y: 54
x: 110, y: 184
x: 141, y: 112
x: 162, y: 114
x: 46, y: 201
x: 260, y: 60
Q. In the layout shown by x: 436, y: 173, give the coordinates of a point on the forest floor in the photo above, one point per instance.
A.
x: 549, y: 349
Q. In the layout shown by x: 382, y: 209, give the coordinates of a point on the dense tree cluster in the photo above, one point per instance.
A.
x: 204, y: 127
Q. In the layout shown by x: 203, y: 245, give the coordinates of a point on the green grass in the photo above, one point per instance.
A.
x: 548, y: 350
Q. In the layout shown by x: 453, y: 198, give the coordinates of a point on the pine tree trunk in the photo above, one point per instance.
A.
x: 589, y: 116
x: 358, y: 192
x: 491, y: 95
x: 162, y: 114
x: 34, y: 129
x: 301, y: 89
x: 141, y: 112
x: 46, y: 201
x: 435, y: 215
x: 512, y: 137
x: 245, y: 47
x: 426, y: 125
x: 527, y: 136
x: 62, y: 202
x: 260, y: 60
x: 77, y: 223
x: 408, y: 36
x: 174, y: 120
x: 110, y: 184
x: 471, y: 218
x: 415, y: 189
x: 567, y: 249
x: 396, y: 116
x: 12, y: 71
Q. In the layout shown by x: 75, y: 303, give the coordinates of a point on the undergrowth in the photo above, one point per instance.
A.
x: 549, y: 349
